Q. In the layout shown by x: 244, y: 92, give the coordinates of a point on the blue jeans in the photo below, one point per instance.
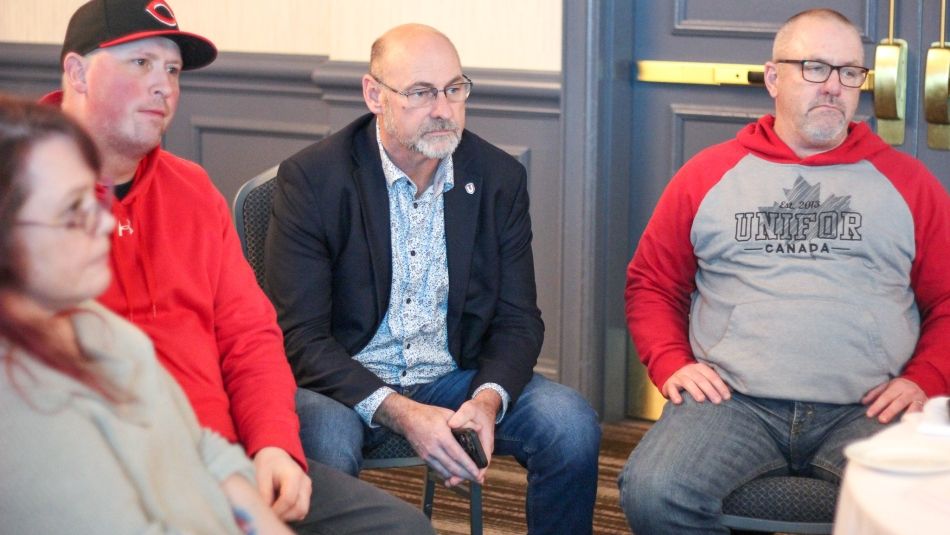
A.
x: 551, y: 431
x: 698, y: 453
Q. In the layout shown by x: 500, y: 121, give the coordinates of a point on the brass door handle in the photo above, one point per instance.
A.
x: 890, y: 86
x: 937, y: 89
x: 937, y: 97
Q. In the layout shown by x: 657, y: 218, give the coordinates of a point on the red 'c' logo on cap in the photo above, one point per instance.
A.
x: 162, y: 12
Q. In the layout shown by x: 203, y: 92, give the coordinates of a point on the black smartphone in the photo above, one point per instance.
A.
x: 468, y: 439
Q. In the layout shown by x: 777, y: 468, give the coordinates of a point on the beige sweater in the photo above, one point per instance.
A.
x: 70, y: 462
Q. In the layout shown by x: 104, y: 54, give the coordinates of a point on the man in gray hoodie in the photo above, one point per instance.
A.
x: 793, y: 283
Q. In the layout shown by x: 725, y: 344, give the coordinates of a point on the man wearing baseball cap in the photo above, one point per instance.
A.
x: 179, y: 273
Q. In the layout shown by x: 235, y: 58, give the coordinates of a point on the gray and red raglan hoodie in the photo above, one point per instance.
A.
x: 813, y: 279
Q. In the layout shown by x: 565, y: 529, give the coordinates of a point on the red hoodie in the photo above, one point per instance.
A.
x: 179, y: 275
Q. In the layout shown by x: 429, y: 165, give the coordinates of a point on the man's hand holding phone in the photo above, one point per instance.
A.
x: 468, y: 439
x: 477, y: 415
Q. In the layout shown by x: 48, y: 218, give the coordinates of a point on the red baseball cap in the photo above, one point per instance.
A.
x: 104, y: 23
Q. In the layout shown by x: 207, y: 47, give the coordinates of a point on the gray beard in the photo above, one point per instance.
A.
x: 820, y: 132
x: 823, y: 135
x: 436, y: 150
x: 418, y: 143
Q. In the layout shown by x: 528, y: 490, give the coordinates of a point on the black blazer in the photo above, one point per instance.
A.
x: 329, y: 263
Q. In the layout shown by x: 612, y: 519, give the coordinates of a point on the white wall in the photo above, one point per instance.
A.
x: 507, y: 34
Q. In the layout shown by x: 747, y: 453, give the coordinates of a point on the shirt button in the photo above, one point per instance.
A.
x: 415, y: 205
x: 408, y: 300
x: 404, y: 373
x: 408, y: 345
x: 412, y: 253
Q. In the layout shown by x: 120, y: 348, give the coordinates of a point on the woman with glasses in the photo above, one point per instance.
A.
x: 97, y: 438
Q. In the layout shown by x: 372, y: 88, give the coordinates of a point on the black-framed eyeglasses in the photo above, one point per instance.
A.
x: 86, y: 218
x: 818, y: 72
x: 419, y: 97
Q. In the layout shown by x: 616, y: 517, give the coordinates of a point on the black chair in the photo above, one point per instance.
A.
x: 785, y: 504
x: 252, y: 209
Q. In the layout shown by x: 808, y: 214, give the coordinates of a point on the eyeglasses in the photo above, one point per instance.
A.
x: 86, y: 218
x: 819, y: 72
x: 425, y: 96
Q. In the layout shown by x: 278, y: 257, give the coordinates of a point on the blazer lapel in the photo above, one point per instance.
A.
x: 374, y: 208
x: 461, y: 220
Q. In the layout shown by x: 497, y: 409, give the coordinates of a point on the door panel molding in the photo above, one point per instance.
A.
x: 686, y: 116
x: 863, y: 13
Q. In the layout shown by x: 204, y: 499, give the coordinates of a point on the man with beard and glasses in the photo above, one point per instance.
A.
x: 399, y: 260
x: 793, y: 282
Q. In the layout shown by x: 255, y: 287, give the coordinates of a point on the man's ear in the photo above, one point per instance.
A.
x: 74, y: 67
x: 771, y: 78
x: 371, y: 94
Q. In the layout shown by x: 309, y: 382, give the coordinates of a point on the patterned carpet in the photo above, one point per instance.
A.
x: 503, y: 493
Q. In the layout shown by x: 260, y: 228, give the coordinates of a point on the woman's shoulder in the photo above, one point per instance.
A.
x: 103, y: 334
x: 124, y: 353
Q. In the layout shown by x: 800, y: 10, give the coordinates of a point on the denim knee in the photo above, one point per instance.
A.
x: 675, y: 479
x: 562, y: 421
x: 575, y: 425
x: 641, y: 488
x: 331, y: 432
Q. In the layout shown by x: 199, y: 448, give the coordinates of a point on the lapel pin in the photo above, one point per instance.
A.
x: 470, y: 188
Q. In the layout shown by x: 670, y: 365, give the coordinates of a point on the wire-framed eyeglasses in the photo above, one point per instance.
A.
x: 419, y: 97
x: 85, y: 217
x: 818, y: 72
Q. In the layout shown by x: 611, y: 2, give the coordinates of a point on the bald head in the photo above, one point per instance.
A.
x: 789, y: 32
x: 402, y: 41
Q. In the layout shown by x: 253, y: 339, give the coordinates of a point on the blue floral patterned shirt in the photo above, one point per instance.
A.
x: 410, y: 346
